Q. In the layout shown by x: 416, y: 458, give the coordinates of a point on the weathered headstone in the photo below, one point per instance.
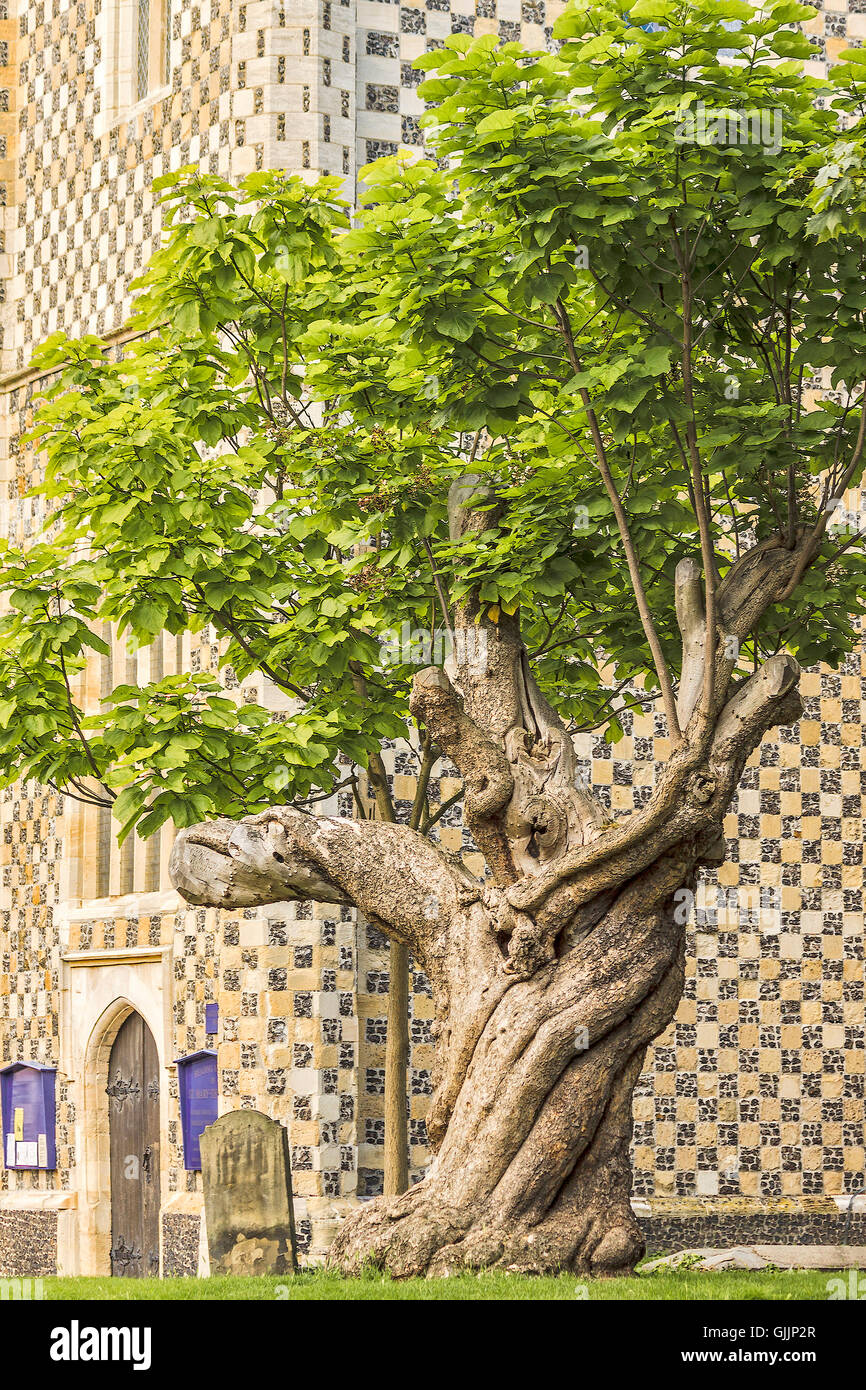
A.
x: 247, y: 1181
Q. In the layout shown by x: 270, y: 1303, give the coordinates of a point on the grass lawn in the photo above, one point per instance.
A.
x: 317, y: 1284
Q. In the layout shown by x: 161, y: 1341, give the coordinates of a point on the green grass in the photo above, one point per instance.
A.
x: 319, y: 1285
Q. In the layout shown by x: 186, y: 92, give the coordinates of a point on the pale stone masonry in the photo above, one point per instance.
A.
x: 750, y: 1112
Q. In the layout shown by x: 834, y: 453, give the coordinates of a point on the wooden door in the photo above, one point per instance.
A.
x: 133, y: 1099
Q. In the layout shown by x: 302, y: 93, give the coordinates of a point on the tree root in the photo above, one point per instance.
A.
x: 427, y: 1238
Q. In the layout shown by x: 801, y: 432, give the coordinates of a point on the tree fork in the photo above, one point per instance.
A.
x: 531, y: 1131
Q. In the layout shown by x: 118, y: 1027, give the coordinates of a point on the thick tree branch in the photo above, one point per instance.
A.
x: 524, y: 801
x: 692, y: 623
x: 699, y: 495
x: 690, y: 802
x: 394, y: 876
x: 480, y: 761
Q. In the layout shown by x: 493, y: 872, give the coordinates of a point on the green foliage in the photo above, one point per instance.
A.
x: 576, y: 186
x: 272, y: 456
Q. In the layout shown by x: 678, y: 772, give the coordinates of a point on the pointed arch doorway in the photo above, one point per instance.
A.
x: 133, y: 1120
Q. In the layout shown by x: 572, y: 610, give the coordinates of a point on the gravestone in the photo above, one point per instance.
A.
x: 247, y: 1181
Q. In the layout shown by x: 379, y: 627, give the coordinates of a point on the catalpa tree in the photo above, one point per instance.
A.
x: 548, y: 394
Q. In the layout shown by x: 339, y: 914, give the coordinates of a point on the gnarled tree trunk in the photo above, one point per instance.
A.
x: 551, y: 975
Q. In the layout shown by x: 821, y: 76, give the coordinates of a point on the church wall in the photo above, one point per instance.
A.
x: 749, y: 1114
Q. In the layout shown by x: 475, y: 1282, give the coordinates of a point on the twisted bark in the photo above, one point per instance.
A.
x: 550, y: 976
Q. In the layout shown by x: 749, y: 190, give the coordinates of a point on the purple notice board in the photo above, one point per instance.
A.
x: 27, y: 1096
x: 199, y: 1097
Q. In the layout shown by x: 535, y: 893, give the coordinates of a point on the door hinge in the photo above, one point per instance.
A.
x: 121, y: 1090
x: 123, y: 1254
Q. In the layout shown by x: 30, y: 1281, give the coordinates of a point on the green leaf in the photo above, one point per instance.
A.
x: 456, y: 323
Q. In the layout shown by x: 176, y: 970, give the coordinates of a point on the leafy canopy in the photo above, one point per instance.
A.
x: 590, y: 268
